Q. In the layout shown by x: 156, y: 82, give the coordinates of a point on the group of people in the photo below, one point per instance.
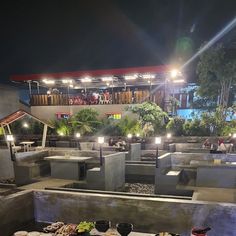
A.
x: 220, y: 146
x: 91, y: 98
x: 120, y: 144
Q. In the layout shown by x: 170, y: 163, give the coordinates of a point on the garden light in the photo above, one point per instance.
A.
x: 137, y: 135
x: 168, y: 135
x: 100, y: 140
x: 77, y: 135
x: 158, y: 140
x: 129, y: 136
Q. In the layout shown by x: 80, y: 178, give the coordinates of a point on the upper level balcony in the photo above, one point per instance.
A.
x: 95, y: 98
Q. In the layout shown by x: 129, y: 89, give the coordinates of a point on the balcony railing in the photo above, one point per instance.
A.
x: 127, y: 97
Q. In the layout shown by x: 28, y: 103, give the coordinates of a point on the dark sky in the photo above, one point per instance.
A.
x: 56, y: 36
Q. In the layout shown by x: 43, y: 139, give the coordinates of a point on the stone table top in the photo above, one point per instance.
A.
x: 68, y: 159
x: 113, y: 232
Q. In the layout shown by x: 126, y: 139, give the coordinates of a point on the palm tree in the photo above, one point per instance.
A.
x: 85, y: 121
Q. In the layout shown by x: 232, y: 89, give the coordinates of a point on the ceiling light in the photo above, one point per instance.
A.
x: 148, y: 76
x: 46, y: 81
x: 130, y: 77
x: 67, y: 81
x: 107, y: 78
x: 86, y: 80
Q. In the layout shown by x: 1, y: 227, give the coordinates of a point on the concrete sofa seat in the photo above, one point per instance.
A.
x: 30, y: 165
x: 110, y: 176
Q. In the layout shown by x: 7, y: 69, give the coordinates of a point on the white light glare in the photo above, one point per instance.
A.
x: 86, y: 80
x: 178, y: 81
x: 137, y: 135
x: 25, y: 125
x: 67, y: 81
x: 100, y: 140
x: 107, y: 78
x: 46, y: 81
x: 129, y: 135
x: 131, y: 77
x: 174, y: 73
x: 234, y: 135
x: 10, y: 138
x: 158, y: 140
x: 77, y: 135
x: 148, y: 76
x: 168, y: 135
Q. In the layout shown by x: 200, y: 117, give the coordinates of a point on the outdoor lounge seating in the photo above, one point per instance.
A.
x: 110, y: 176
x: 29, y: 166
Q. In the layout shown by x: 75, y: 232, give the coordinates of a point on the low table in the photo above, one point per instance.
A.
x: 71, y: 167
x: 27, y: 145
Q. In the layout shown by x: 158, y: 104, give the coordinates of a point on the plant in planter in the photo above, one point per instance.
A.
x: 84, y: 227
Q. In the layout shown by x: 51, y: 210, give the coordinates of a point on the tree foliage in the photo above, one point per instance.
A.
x: 150, y: 114
x: 217, y: 72
x: 85, y: 121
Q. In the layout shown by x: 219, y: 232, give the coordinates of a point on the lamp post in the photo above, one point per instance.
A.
x: 157, y: 142
x: 77, y: 136
x: 10, y: 139
x: 100, y: 142
x: 129, y: 136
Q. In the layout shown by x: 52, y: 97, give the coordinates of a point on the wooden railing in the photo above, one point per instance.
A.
x: 127, y: 97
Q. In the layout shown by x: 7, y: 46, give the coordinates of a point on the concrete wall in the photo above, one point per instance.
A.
x: 6, y: 165
x: 139, y: 173
x: 16, y: 211
x: 167, y: 184
x: 49, y: 112
x: 216, y: 176
x: 134, y: 152
x: 147, y: 214
x: 185, y: 158
x: 9, y: 100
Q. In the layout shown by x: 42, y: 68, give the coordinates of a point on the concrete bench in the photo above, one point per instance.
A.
x: 30, y: 165
x: 110, y: 176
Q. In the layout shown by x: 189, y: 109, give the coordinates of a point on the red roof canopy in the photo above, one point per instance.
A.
x: 94, y: 73
x: 17, y: 115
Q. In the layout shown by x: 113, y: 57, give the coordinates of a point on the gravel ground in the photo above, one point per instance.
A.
x: 139, y: 188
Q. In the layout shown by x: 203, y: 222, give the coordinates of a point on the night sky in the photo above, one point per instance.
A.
x: 57, y: 36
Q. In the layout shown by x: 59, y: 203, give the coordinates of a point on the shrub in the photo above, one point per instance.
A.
x: 175, y: 125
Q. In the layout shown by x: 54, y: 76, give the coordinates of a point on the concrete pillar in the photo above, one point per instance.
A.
x: 45, y: 128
